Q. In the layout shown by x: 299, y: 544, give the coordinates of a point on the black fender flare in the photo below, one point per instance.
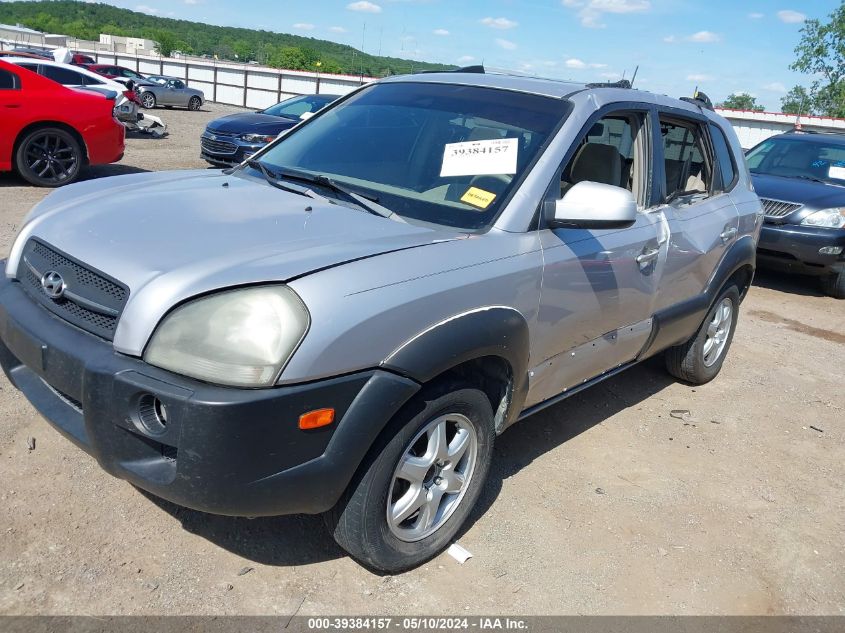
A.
x: 497, y: 331
x: 675, y: 324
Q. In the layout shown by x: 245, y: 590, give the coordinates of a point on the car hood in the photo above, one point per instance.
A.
x: 251, y: 122
x: 170, y: 236
x: 813, y: 195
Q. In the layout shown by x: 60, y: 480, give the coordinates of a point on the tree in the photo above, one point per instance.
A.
x: 165, y: 43
x: 821, y: 52
x: 741, y: 101
x: 797, y: 101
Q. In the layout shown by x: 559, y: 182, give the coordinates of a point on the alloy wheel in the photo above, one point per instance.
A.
x: 50, y: 157
x: 718, y: 332
x: 432, y: 477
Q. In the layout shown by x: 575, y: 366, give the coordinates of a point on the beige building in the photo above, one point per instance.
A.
x: 131, y: 45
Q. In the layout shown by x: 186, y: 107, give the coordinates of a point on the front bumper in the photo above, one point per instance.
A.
x: 223, y: 450
x: 795, y: 248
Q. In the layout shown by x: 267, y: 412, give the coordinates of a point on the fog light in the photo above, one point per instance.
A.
x: 152, y: 414
x: 830, y: 250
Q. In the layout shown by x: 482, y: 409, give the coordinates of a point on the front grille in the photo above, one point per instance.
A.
x: 213, y: 132
x: 92, y: 300
x: 778, y: 208
x: 218, y: 147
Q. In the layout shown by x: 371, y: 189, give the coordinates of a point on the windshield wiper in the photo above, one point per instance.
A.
x: 273, y: 178
x: 812, y: 178
x: 365, y: 202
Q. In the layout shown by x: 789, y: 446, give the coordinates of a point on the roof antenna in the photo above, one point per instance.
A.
x: 634, y: 77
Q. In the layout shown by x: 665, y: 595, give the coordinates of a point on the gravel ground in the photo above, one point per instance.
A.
x: 602, y: 504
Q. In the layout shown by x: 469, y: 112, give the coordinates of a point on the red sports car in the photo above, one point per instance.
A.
x: 49, y: 132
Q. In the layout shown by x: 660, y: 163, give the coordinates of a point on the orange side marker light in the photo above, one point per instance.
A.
x: 316, y: 419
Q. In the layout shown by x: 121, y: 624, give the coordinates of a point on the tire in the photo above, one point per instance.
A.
x: 194, y: 103
x: 834, y: 285
x: 148, y: 100
x: 359, y: 522
x: 688, y: 361
x: 49, y: 157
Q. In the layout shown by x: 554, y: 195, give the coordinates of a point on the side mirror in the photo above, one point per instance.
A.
x: 594, y: 205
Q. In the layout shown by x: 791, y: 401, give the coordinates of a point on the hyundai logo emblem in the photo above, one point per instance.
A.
x: 53, y: 284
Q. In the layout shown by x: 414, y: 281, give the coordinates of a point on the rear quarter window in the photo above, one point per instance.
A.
x: 726, y: 166
x: 9, y: 80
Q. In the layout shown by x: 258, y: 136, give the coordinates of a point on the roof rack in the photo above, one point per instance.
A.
x: 477, y: 69
x: 699, y: 99
x: 622, y: 83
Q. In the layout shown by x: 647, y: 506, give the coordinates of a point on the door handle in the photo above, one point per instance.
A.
x: 647, y: 256
x: 728, y: 234
x: 13, y: 105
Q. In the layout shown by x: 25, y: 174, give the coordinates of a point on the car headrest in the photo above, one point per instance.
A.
x: 597, y: 162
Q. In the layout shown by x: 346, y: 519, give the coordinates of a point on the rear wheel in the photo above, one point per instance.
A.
x: 700, y: 359
x: 194, y: 103
x: 420, y: 482
x: 49, y: 157
x: 834, y: 285
x: 148, y: 100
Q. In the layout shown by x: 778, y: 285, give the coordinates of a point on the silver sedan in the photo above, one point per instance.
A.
x: 157, y: 90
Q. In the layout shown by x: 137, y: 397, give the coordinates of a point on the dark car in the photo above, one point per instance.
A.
x: 43, y: 53
x: 232, y: 139
x: 800, y: 179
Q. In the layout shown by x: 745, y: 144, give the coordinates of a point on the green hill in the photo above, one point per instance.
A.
x: 85, y: 20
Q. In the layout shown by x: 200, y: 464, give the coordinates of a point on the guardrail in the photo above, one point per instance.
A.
x: 245, y: 85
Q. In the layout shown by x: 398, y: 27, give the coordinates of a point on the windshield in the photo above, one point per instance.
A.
x: 813, y: 159
x: 296, y: 107
x: 438, y: 153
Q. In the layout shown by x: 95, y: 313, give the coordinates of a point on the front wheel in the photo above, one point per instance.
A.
x: 834, y: 285
x: 700, y: 359
x: 420, y: 481
x: 148, y: 100
x: 194, y: 103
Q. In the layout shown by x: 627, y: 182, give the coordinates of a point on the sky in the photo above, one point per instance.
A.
x: 719, y: 46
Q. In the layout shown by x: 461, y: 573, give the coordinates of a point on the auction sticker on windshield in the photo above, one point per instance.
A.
x: 480, y: 158
x: 478, y: 197
x: 835, y: 171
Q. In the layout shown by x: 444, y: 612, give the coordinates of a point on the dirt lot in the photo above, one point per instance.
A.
x: 602, y: 504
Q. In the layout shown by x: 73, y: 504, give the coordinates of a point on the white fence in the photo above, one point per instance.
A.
x: 754, y: 127
x: 245, y: 85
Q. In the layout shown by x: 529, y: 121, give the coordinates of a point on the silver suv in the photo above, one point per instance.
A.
x: 345, y: 323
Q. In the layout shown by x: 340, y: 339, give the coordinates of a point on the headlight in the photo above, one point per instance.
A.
x: 827, y: 218
x: 257, y: 138
x: 241, y: 337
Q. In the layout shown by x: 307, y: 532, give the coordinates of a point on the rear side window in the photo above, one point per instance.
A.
x: 8, y: 80
x: 90, y: 81
x: 724, y: 157
x: 63, y: 76
x: 686, y: 167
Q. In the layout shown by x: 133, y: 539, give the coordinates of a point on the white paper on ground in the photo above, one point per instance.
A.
x: 834, y: 171
x: 459, y: 553
x: 479, y: 158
